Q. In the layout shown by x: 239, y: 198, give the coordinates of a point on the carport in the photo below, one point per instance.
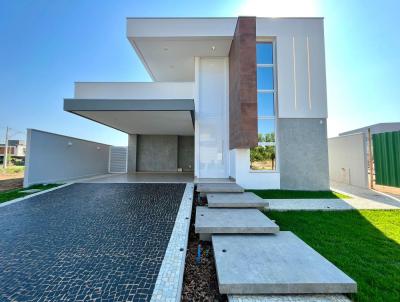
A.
x: 158, y: 118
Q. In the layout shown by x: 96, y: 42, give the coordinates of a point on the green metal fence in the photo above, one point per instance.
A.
x: 387, y: 158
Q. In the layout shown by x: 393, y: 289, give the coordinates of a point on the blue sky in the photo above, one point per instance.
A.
x: 46, y: 45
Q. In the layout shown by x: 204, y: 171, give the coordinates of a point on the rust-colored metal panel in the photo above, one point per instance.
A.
x: 243, y: 85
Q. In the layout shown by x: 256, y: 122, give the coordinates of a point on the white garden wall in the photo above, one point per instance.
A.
x: 348, y: 160
x: 56, y: 158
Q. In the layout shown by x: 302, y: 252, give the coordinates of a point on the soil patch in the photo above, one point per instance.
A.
x: 10, y: 184
x: 200, y: 278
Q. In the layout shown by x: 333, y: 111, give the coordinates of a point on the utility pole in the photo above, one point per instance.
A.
x: 5, y: 150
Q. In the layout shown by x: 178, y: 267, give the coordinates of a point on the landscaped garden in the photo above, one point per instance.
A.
x: 364, y: 244
x: 17, y: 193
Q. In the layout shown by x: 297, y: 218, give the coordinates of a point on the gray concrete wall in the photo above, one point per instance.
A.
x: 132, y: 150
x: 56, y: 158
x: 348, y: 160
x: 303, y: 154
x: 186, y: 153
x: 157, y: 153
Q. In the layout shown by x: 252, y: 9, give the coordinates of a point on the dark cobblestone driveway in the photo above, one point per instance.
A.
x: 102, y: 242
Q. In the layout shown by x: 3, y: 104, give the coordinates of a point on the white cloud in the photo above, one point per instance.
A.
x: 279, y: 8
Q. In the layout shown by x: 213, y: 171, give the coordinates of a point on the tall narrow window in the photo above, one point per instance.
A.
x: 263, y: 157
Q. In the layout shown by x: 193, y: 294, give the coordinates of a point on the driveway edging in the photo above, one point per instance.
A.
x: 170, y: 277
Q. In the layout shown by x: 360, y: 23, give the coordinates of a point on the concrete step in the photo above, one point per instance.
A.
x: 228, y: 200
x: 289, y: 298
x: 219, y: 187
x: 232, y: 221
x: 275, y: 264
x: 213, y: 180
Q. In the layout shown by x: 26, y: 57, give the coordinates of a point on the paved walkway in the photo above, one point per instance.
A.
x: 362, y: 199
x: 87, y: 242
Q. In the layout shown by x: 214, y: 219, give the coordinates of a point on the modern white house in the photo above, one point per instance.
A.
x: 235, y: 104
x: 241, y: 98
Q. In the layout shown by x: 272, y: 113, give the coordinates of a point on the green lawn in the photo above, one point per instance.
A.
x: 364, y: 244
x: 13, y: 194
x: 291, y: 194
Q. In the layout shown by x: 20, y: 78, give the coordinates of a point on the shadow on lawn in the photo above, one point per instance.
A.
x: 364, y: 244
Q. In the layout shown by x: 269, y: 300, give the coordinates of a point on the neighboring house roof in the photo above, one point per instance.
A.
x: 15, y: 142
x: 376, y: 128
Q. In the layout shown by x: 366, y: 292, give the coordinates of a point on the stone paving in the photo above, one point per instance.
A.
x: 87, y: 242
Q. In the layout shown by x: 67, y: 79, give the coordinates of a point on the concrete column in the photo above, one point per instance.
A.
x: 132, y: 150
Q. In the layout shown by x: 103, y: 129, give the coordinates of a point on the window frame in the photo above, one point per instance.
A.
x: 275, y: 107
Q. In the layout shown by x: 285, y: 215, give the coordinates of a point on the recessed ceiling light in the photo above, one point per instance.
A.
x: 212, y: 48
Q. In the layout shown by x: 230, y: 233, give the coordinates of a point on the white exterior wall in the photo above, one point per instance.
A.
x: 232, y: 163
x: 211, y: 118
x: 348, y: 160
x: 127, y: 90
x: 300, y: 61
x: 248, y: 178
x: 56, y: 158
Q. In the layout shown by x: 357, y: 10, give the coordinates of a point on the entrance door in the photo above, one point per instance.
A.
x: 211, y: 116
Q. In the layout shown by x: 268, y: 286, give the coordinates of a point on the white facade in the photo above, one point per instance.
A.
x: 301, y: 76
x: 188, y: 59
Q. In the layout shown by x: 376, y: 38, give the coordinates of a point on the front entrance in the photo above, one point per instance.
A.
x: 211, y: 118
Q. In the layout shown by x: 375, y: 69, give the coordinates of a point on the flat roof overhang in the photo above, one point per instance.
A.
x: 167, y: 46
x: 136, y: 116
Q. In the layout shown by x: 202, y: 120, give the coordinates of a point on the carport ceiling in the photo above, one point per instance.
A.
x: 144, y: 122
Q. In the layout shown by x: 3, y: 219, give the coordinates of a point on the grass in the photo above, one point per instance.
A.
x: 16, y: 193
x: 364, y: 244
x: 291, y: 194
x: 12, y: 169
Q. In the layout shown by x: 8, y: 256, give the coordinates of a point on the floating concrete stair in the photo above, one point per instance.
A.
x: 289, y: 298
x: 275, y: 264
x: 229, y: 200
x: 232, y: 221
x: 219, y: 187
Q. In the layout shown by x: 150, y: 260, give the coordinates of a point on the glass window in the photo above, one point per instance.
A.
x: 264, y: 53
x: 263, y: 157
x: 266, y: 130
x: 265, y: 78
x: 265, y: 104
